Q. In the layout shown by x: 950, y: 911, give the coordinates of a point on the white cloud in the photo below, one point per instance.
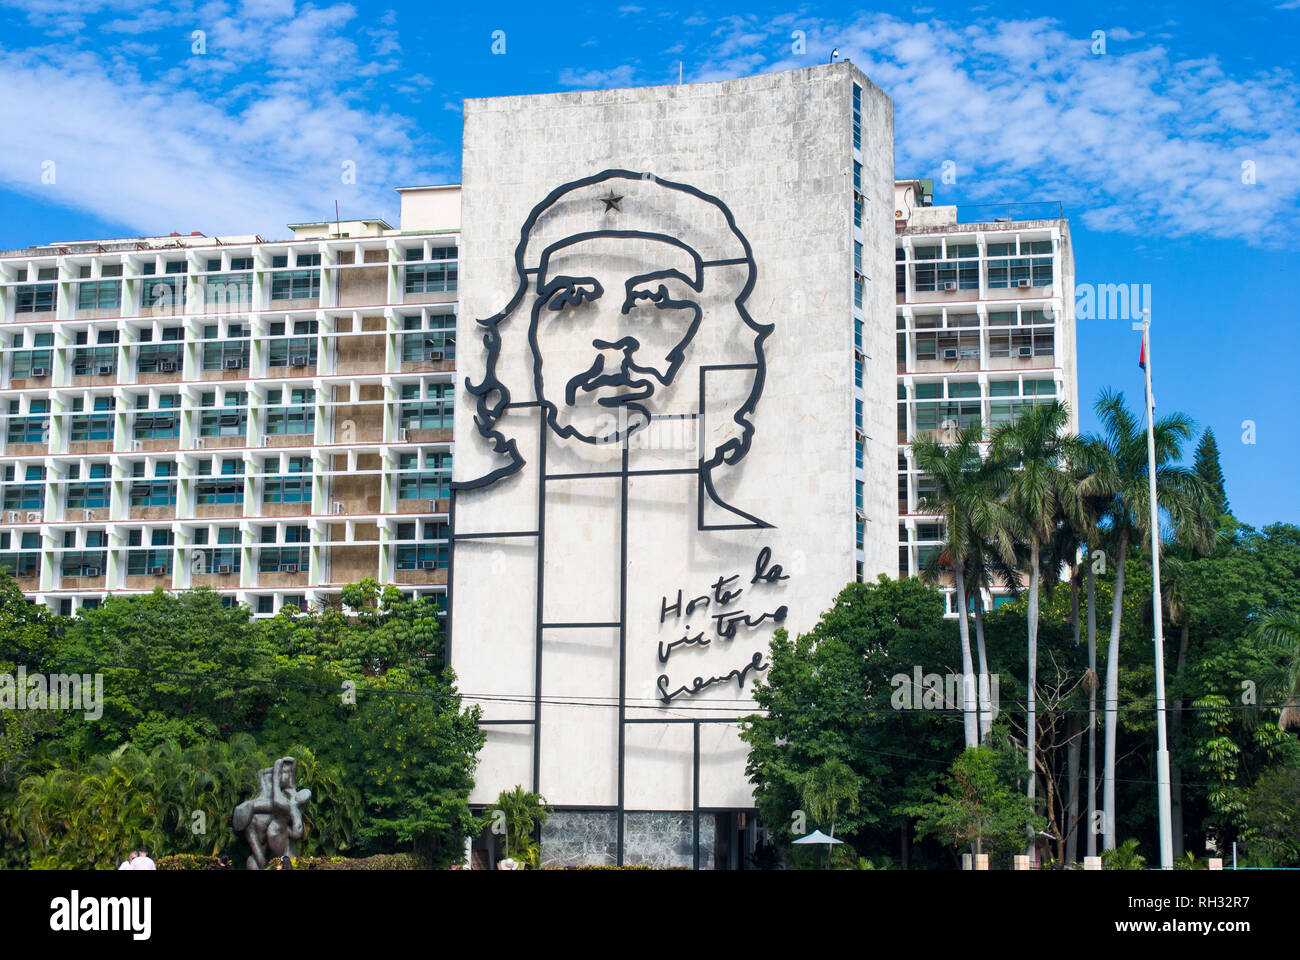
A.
x: 157, y: 157
x: 621, y: 76
x: 1131, y: 141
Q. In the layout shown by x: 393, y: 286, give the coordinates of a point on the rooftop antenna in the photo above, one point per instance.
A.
x: 338, y: 227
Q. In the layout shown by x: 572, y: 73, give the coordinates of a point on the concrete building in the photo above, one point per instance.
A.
x: 985, y: 317
x: 269, y: 419
x: 676, y: 377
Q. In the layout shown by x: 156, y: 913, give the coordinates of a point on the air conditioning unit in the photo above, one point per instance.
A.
x: 90, y: 572
x: 158, y: 571
x: 167, y: 366
x: 137, y: 444
x: 33, y: 516
x: 14, y: 516
x: 426, y: 564
x: 199, y: 443
x: 298, y: 361
x: 1025, y: 351
x: 226, y: 568
x: 234, y: 363
x: 950, y: 353
x: 103, y: 370
x: 288, y: 568
x: 433, y: 506
x: 950, y: 284
x: 40, y: 371
x: 402, y: 434
x: 435, y: 355
x: 1024, y: 283
x: 336, y: 506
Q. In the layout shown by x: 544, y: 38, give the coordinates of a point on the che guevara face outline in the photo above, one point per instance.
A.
x: 624, y: 330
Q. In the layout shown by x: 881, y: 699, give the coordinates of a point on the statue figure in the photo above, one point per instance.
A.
x: 272, y: 820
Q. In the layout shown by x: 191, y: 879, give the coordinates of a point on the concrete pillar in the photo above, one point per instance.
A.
x: 981, y: 861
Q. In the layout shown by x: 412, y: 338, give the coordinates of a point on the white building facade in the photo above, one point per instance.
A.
x: 268, y: 419
x: 985, y: 327
x: 672, y: 435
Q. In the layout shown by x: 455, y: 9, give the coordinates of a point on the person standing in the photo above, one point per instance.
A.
x: 143, y: 861
x: 126, y: 864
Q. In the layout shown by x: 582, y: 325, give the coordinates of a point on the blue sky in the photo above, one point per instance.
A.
x: 245, y: 127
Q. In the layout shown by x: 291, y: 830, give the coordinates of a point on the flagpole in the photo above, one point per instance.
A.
x: 1163, y: 798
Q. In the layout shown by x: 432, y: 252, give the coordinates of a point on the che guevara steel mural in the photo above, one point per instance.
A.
x: 630, y: 309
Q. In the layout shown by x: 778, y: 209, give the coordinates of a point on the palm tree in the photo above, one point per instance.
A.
x: 1035, y: 447
x: 1081, y: 520
x: 963, y: 483
x: 1281, y: 629
x: 824, y: 787
x: 1118, y: 458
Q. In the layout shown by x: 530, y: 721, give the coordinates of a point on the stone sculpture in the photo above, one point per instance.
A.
x: 272, y: 820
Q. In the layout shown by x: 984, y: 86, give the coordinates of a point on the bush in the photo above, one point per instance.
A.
x: 380, y: 861
x: 186, y: 861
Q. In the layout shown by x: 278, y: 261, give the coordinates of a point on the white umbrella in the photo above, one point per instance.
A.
x: 818, y: 837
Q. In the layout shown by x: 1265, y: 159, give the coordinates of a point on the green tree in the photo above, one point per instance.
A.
x: 825, y: 787
x: 1036, y: 448
x: 523, y: 813
x: 847, y: 668
x: 1206, y: 465
x: 978, y: 806
x: 965, y: 495
x: 1280, y: 629
x: 1118, y: 458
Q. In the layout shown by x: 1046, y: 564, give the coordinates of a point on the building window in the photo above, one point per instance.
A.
x: 296, y: 351
x: 101, y: 295
x: 36, y: 298
x: 230, y: 353
x: 298, y: 416
x: 432, y: 277
x: 164, y: 357
x: 427, y: 409
x: 433, y: 483
x: 857, y: 117
x: 434, y: 341
x: 93, y: 426
x: 417, y: 554
x: 226, y: 558
x: 33, y: 428
x: 294, y: 486
x: 296, y: 284
x: 98, y: 361
x: 232, y: 292
x: 226, y: 487
x: 28, y: 363
x: 24, y: 496
x: 26, y: 560
x: 228, y: 420
x: 154, y: 560
x: 87, y: 496
x: 161, y: 423
x: 287, y: 559
x: 160, y: 491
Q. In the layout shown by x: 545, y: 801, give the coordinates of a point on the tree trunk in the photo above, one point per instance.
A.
x: 985, y: 691
x: 1074, y: 602
x: 1091, y: 845
x: 1175, y: 773
x: 1072, y: 751
x: 1031, y: 721
x: 1112, y: 697
x: 969, y: 719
